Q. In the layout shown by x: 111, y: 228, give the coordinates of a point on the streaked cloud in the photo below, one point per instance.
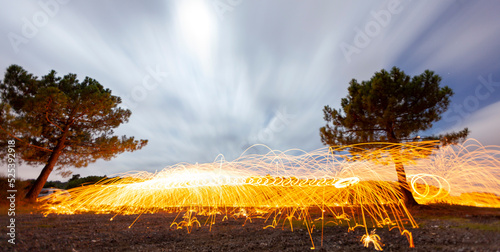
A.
x: 221, y: 83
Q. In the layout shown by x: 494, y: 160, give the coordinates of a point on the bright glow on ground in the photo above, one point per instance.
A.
x: 358, y: 190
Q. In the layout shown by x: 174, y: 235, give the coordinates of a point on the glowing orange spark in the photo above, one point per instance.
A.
x: 279, y: 186
x: 372, y: 238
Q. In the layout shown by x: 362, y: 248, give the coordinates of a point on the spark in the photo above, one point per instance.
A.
x: 372, y: 238
x: 357, y: 190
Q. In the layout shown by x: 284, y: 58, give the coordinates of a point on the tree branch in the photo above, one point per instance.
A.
x: 47, y: 115
x: 34, y: 146
x: 347, y: 131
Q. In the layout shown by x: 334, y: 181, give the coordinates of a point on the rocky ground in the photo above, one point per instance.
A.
x: 441, y: 229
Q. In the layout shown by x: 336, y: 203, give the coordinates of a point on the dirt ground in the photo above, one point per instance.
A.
x: 442, y: 228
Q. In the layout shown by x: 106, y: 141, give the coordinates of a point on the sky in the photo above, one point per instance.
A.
x: 210, y: 77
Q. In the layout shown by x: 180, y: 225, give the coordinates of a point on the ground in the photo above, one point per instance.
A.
x: 442, y: 228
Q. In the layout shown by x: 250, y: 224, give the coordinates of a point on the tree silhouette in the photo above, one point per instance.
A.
x: 390, y: 107
x: 61, y: 122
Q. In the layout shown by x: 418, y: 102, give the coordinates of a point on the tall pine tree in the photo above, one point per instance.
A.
x: 390, y: 107
x: 60, y: 122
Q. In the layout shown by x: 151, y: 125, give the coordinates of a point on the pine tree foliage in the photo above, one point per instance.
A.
x: 61, y: 122
x: 390, y: 107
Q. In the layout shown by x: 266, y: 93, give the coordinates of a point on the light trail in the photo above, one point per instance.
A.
x: 357, y: 190
x: 372, y: 238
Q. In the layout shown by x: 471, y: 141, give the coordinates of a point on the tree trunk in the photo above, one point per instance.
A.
x: 400, y: 170
x: 408, y: 198
x: 44, y: 175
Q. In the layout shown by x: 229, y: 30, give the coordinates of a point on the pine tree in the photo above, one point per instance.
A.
x: 61, y: 122
x: 390, y: 107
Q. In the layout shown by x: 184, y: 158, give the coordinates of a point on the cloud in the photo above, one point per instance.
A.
x: 483, y: 124
x: 200, y: 85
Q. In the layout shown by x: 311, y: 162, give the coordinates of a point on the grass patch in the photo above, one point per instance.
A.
x: 493, y: 226
x: 447, y: 211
